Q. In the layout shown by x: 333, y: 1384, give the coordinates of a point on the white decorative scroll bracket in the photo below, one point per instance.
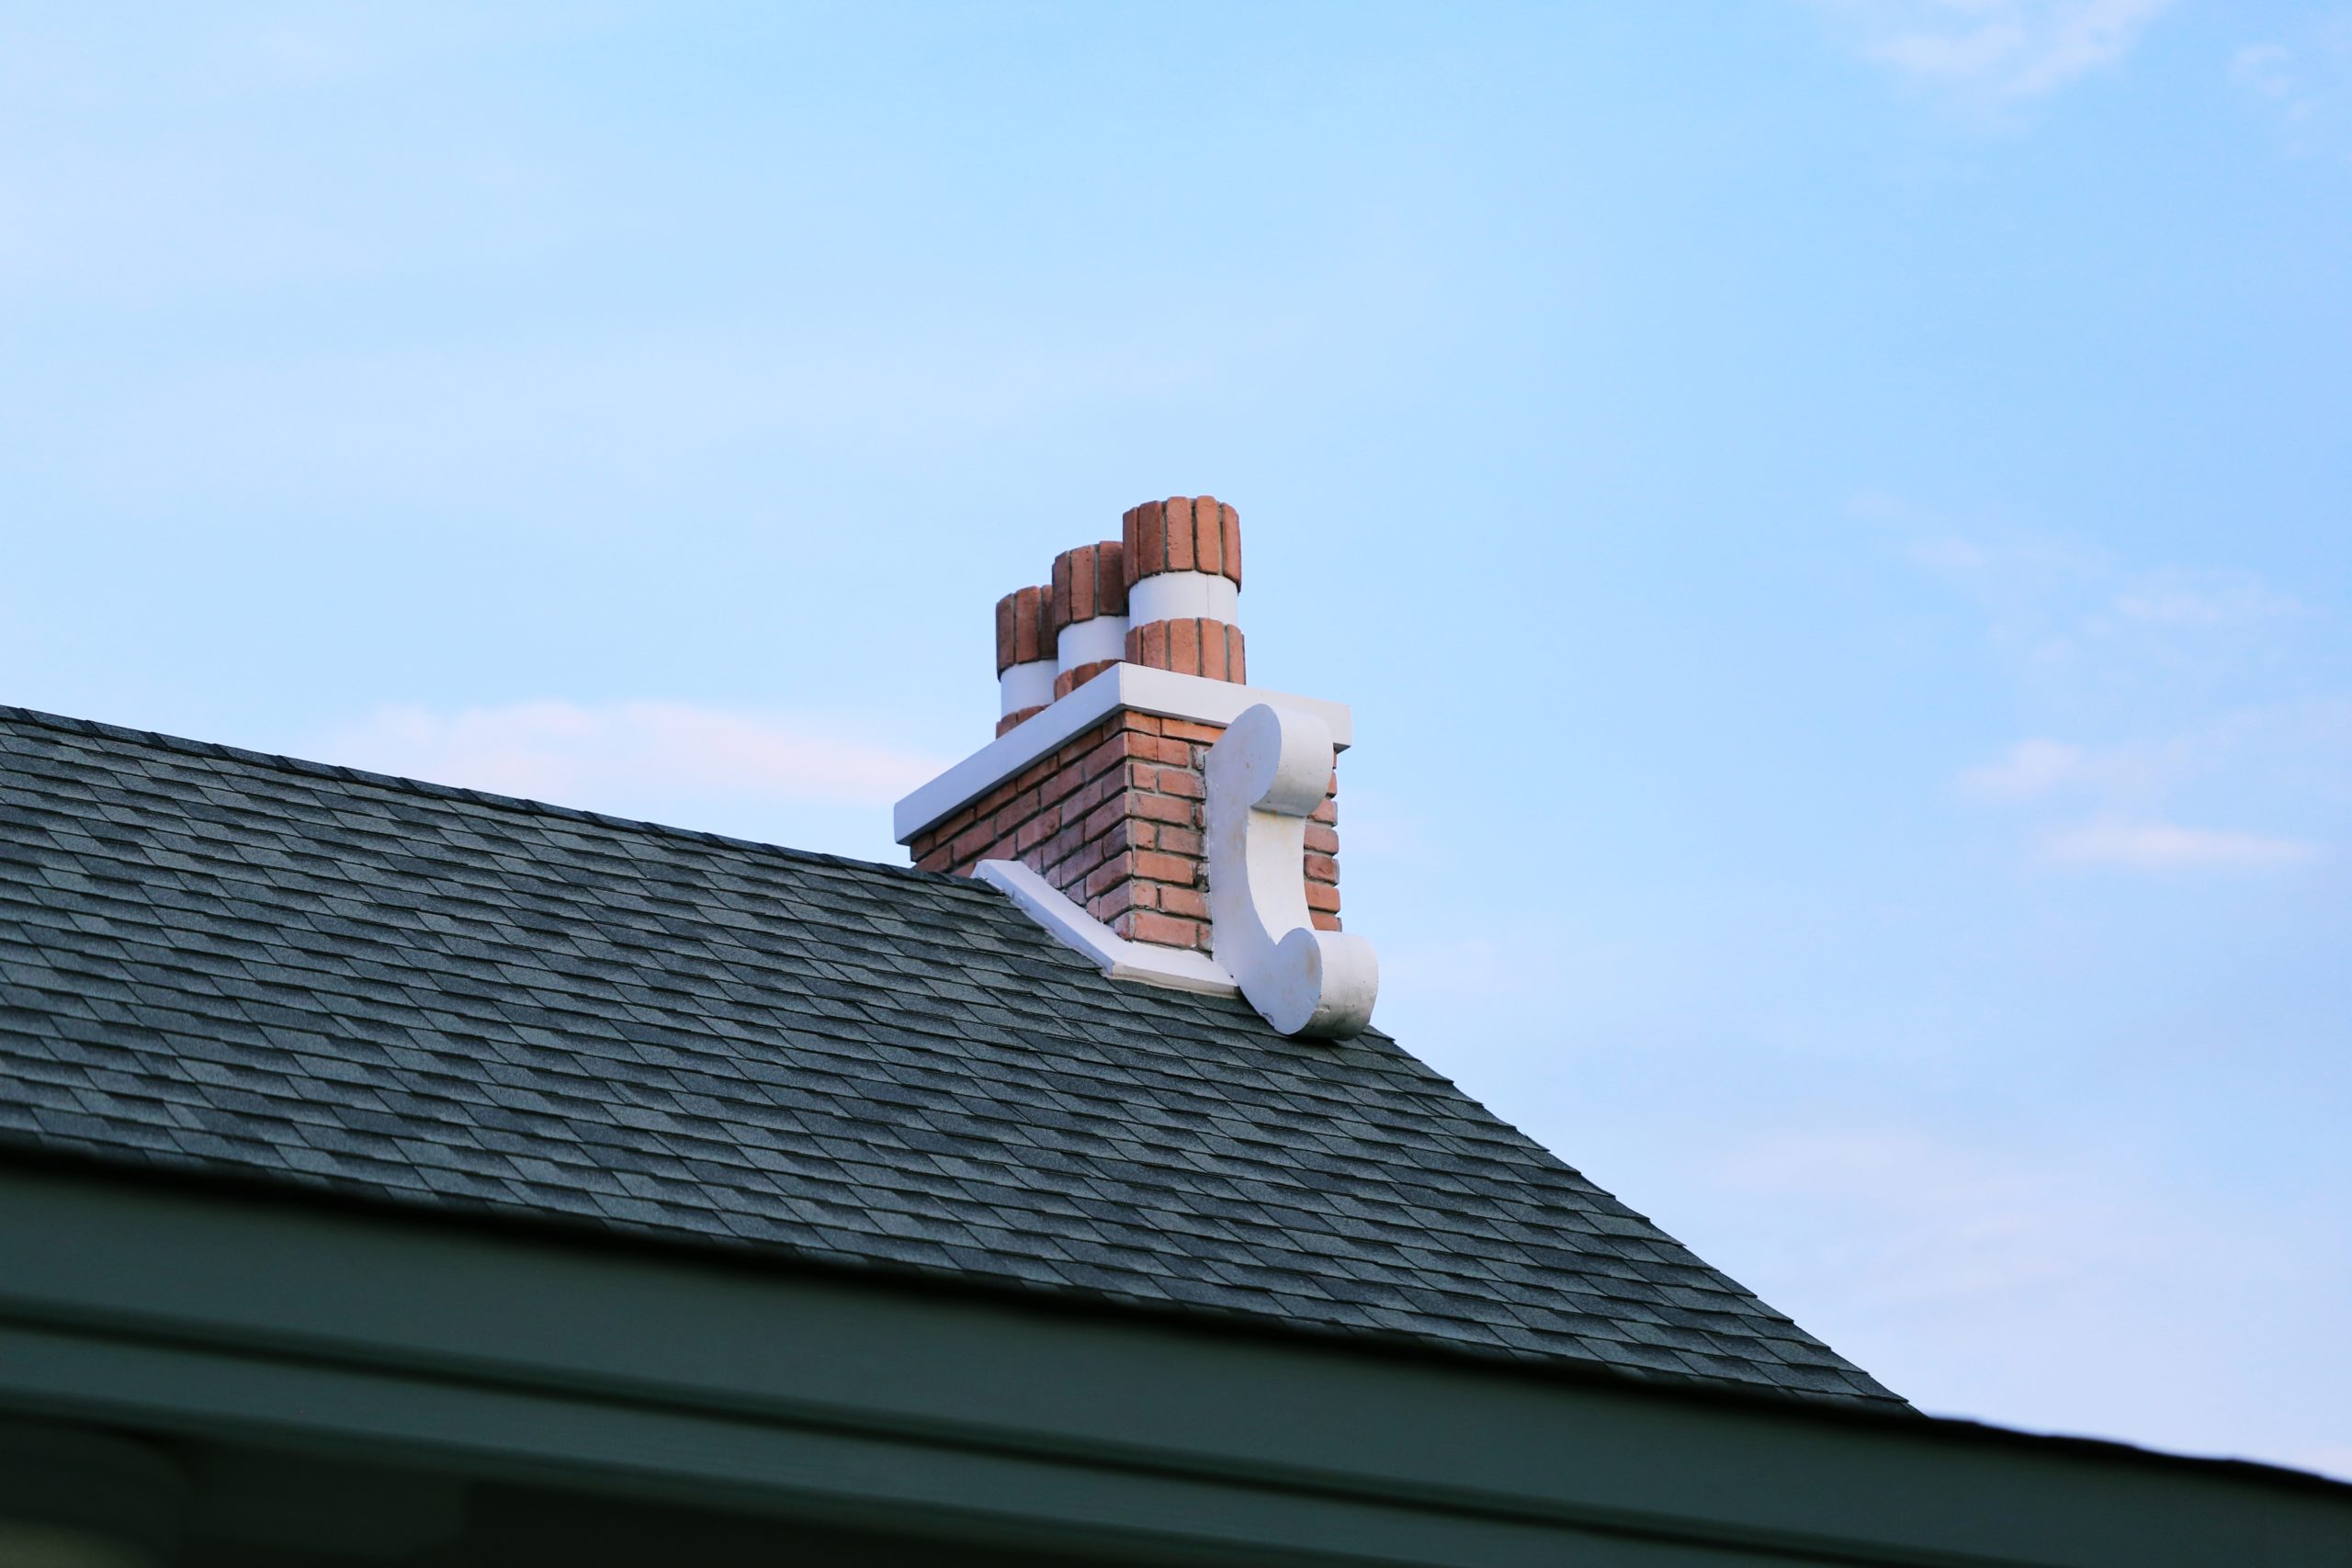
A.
x: 1267, y: 773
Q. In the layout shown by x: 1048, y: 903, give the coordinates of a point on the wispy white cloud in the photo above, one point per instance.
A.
x: 2180, y: 687
x: 625, y: 756
x: 2167, y: 846
x: 2262, y: 759
x: 2177, y: 597
x: 1991, y: 50
x: 2303, y: 87
x: 2135, y: 772
x: 2054, y: 605
x: 2030, y: 770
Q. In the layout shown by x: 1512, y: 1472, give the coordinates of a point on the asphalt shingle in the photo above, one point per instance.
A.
x: 215, y: 959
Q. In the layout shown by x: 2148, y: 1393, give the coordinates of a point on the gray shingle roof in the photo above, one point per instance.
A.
x: 211, y: 959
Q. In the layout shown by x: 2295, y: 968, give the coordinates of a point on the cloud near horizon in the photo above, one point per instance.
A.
x: 623, y: 755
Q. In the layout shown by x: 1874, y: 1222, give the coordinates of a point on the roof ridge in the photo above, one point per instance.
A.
x: 281, y: 762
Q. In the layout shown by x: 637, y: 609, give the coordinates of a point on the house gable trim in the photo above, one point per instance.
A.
x: 597, y: 1366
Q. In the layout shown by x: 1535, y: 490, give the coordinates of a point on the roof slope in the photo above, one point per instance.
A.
x: 214, y: 959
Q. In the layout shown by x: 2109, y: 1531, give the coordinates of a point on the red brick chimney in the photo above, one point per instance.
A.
x: 1097, y: 778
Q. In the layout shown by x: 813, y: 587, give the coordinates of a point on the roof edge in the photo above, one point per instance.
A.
x: 521, y: 804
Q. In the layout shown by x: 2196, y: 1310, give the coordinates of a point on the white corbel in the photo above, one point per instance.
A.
x: 1267, y: 773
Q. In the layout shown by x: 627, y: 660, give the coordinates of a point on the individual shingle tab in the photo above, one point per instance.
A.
x: 214, y: 959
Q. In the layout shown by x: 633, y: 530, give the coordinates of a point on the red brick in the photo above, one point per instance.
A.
x: 1208, y: 535
x: 1032, y: 639
x: 1004, y: 634
x: 1114, y: 750
x: 1016, y: 811
x: 1108, y: 907
x: 1147, y: 545
x: 1322, y: 868
x: 994, y: 796
x: 1166, y: 808
x: 1184, y: 646
x: 1327, y: 812
x: 1231, y: 522
x: 1324, y: 921
x: 1324, y: 897
x: 1082, y: 862
x: 1179, y: 533
x: 1321, y: 841
x: 1110, y: 577
x: 1103, y: 817
x: 1114, y: 870
x: 1185, y: 729
x: 1056, y: 791
x: 1164, y: 867
x: 1178, y: 840
x: 1169, y: 931
x: 1069, y: 680
x: 937, y: 860
x: 1187, y: 901
x: 1237, y: 656
x: 1179, y: 781
x: 1157, y: 749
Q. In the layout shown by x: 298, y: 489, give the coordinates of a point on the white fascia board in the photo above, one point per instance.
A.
x: 1178, y: 968
x: 1135, y: 687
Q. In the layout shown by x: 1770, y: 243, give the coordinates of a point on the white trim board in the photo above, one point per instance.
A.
x: 1178, y: 968
x: 1121, y: 687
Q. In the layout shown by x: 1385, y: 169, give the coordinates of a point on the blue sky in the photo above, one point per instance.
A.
x: 1836, y: 520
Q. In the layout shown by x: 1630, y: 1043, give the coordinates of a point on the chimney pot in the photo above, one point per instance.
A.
x: 1184, y: 566
x: 1089, y: 613
x: 1025, y: 655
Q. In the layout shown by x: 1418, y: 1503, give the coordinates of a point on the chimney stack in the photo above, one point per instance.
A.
x: 1093, y: 806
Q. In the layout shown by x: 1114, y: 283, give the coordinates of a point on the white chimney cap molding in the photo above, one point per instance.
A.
x: 1123, y: 687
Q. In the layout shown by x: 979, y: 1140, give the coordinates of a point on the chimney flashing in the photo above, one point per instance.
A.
x: 1178, y: 968
x: 1121, y: 688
